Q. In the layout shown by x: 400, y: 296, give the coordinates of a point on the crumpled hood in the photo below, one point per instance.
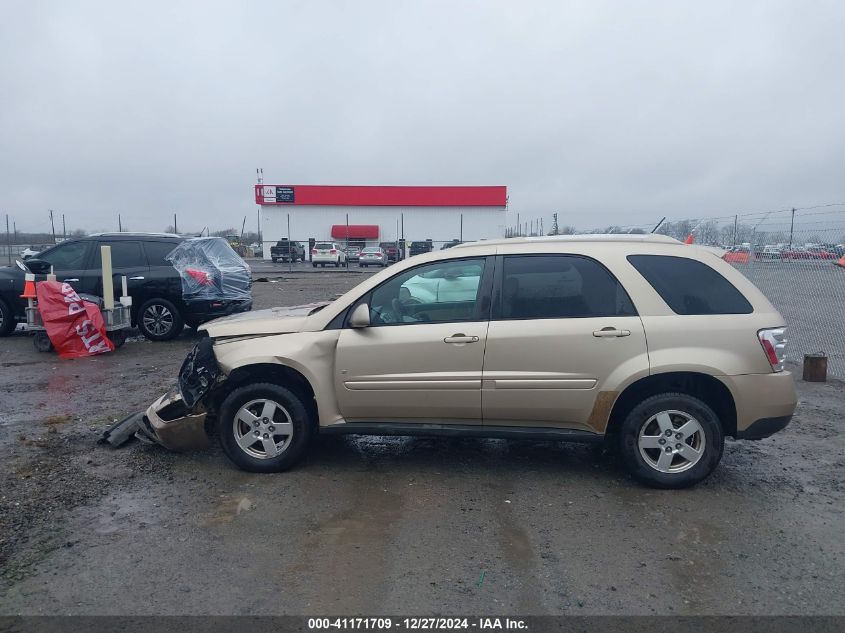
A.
x: 272, y: 321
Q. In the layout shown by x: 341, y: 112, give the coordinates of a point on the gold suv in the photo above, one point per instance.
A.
x: 658, y: 347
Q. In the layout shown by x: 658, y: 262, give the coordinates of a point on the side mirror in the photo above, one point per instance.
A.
x: 360, y: 316
x: 38, y: 266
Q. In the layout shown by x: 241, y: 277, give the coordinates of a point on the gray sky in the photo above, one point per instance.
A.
x: 608, y: 112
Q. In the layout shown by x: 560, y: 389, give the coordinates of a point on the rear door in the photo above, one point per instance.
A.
x: 127, y: 259
x: 161, y: 279
x: 562, y: 330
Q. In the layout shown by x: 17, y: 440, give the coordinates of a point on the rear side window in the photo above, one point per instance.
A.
x: 157, y: 251
x: 689, y: 286
x: 124, y: 254
x: 559, y: 286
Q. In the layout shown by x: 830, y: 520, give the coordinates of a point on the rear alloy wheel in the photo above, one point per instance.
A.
x: 7, y: 319
x: 159, y: 320
x: 264, y: 427
x: 671, y: 440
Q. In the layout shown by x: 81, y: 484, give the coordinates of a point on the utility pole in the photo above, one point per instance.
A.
x: 175, y: 229
x: 259, y: 179
x: 8, y: 240
x: 791, y: 228
x: 119, y: 224
x: 736, y: 221
x: 461, y: 234
x: 64, y: 227
x: 53, y: 226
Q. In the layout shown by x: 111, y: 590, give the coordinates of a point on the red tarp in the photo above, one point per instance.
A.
x: 75, y: 327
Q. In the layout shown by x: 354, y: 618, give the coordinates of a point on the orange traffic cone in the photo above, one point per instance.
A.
x: 689, y: 239
x: 841, y: 262
x: 29, y: 287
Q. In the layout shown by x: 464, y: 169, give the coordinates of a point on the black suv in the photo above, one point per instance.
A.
x: 159, y: 307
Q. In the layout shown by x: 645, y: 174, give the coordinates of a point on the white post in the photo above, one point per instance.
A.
x: 108, y: 284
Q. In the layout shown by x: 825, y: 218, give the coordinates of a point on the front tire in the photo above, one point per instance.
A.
x: 671, y: 440
x: 159, y: 320
x: 7, y: 319
x: 264, y: 427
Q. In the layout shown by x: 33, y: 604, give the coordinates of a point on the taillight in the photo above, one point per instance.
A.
x: 773, y: 342
x: 313, y: 251
x: 200, y: 276
x: 333, y: 251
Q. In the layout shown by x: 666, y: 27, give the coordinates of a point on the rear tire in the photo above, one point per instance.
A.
x: 7, y: 319
x: 314, y: 264
x: 671, y: 440
x: 159, y: 320
x: 118, y: 338
x: 42, y: 342
x: 278, y: 420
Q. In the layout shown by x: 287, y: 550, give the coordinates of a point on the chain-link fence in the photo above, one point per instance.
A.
x: 796, y: 257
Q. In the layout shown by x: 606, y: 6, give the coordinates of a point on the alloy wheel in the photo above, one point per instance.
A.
x: 263, y: 428
x: 158, y: 319
x: 671, y: 441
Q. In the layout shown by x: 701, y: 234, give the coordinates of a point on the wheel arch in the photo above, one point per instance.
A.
x: 276, y: 373
x: 702, y: 386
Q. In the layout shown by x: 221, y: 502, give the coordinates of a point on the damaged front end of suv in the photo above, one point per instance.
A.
x: 178, y: 419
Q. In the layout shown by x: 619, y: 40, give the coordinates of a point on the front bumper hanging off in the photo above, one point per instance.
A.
x: 177, y: 419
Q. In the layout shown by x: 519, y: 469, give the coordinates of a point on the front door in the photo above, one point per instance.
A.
x: 563, y: 332
x: 70, y: 262
x: 420, y: 359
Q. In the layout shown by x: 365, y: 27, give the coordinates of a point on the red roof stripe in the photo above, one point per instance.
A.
x: 331, y: 195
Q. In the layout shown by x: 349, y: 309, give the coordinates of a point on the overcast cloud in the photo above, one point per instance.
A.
x: 608, y: 112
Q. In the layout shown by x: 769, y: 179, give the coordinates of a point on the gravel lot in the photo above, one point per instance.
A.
x: 392, y: 525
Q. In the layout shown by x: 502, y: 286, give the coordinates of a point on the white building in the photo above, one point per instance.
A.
x: 379, y: 214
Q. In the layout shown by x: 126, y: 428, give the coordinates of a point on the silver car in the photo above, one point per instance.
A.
x: 373, y: 256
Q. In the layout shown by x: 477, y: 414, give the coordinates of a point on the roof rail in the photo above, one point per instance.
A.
x: 581, y: 237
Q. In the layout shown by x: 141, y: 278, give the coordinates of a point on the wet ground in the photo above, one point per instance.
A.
x: 393, y: 525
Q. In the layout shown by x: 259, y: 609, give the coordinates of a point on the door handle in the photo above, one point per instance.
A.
x: 609, y: 332
x: 460, y: 338
x: 136, y: 278
x: 71, y: 279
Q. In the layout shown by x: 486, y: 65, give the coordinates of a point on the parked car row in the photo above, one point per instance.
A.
x: 286, y: 250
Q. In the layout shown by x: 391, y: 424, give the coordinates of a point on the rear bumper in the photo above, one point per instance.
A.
x: 764, y: 402
x: 763, y: 428
x: 202, y: 311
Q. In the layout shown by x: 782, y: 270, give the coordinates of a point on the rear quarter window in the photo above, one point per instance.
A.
x: 689, y: 286
x: 157, y: 251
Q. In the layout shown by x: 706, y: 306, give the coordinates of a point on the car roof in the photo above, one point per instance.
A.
x: 135, y: 234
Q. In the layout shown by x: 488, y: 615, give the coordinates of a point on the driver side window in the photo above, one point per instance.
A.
x: 440, y: 292
x: 69, y: 256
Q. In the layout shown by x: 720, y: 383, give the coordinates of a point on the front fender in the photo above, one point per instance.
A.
x: 312, y: 354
